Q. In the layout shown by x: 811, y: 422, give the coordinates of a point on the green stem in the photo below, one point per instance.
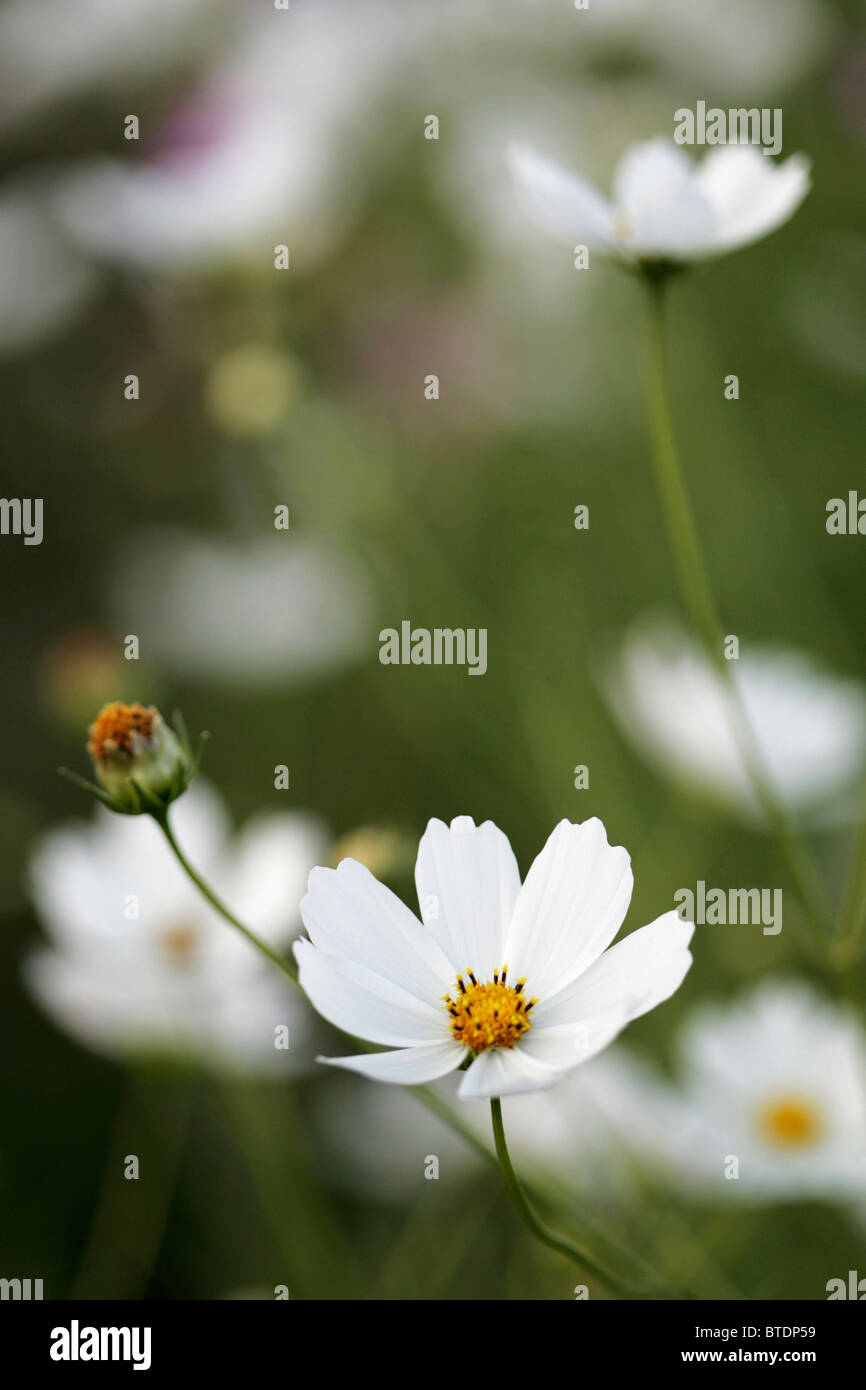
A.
x: 288, y: 967
x: 696, y: 593
x: 561, y: 1244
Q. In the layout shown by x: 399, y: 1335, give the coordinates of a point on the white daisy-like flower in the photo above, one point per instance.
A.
x: 770, y: 1105
x: 664, y: 206
x: 254, y: 614
x: 514, y: 979
x: 140, y: 963
x: 672, y: 706
x: 271, y: 146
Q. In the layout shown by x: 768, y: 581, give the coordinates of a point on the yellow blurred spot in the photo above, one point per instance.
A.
x: 180, y: 943
x: 383, y: 849
x: 790, y: 1122
x: 249, y: 390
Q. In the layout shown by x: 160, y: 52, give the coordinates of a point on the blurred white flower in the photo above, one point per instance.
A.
x: 518, y: 979
x: 140, y: 963
x: 52, y: 49
x: 772, y: 1089
x: 255, y: 614
x: 44, y: 280
x: 664, y: 206
x: 268, y: 149
x: 672, y: 706
x: 740, y: 43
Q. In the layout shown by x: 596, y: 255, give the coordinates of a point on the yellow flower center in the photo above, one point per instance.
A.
x: 621, y: 227
x: 790, y: 1122
x: 491, y: 1014
x: 117, y: 728
x: 180, y: 943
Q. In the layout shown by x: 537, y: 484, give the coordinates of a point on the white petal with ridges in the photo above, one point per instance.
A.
x: 349, y: 913
x: 570, y: 908
x: 468, y: 881
x: 358, y: 1001
x: 504, y: 1072
x: 410, y: 1066
x: 566, y: 1045
x: 633, y: 976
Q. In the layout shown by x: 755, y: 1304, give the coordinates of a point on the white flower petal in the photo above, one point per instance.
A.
x: 631, y: 977
x: 569, y: 206
x: 349, y: 913
x: 647, y: 167
x: 410, y: 1066
x: 505, y: 1072
x: 566, y: 1045
x: 662, y: 211
x: 570, y: 908
x: 468, y: 881
x: 359, y: 1001
x: 750, y: 195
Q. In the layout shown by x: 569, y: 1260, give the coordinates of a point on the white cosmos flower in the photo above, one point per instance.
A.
x: 517, y: 979
x: 248, y: 613
x: 665, y: 207
x: 776, y: 1080
x: 175, y: 977
x: 671, y: 705
x: 269, y: 147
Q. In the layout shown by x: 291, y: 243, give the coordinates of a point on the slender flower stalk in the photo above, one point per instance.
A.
x: 697, y: 597
x: 288, y: 967
x: 561, y: 1244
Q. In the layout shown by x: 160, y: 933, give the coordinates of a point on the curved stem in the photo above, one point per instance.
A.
x: 696, y: 593
x: 288, y: 967
x: 562, y: 1244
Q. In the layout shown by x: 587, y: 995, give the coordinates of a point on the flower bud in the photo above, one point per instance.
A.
x: 139, y: 761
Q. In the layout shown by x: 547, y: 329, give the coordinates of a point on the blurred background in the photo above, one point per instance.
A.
x: 259, y: 388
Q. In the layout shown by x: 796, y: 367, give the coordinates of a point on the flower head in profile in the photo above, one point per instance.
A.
x: 664, y: 207
x: 514, y: 981
x: 140, y: 763
x: 809, y: 724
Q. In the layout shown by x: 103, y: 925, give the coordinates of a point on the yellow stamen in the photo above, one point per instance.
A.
x: 489, y: 1014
